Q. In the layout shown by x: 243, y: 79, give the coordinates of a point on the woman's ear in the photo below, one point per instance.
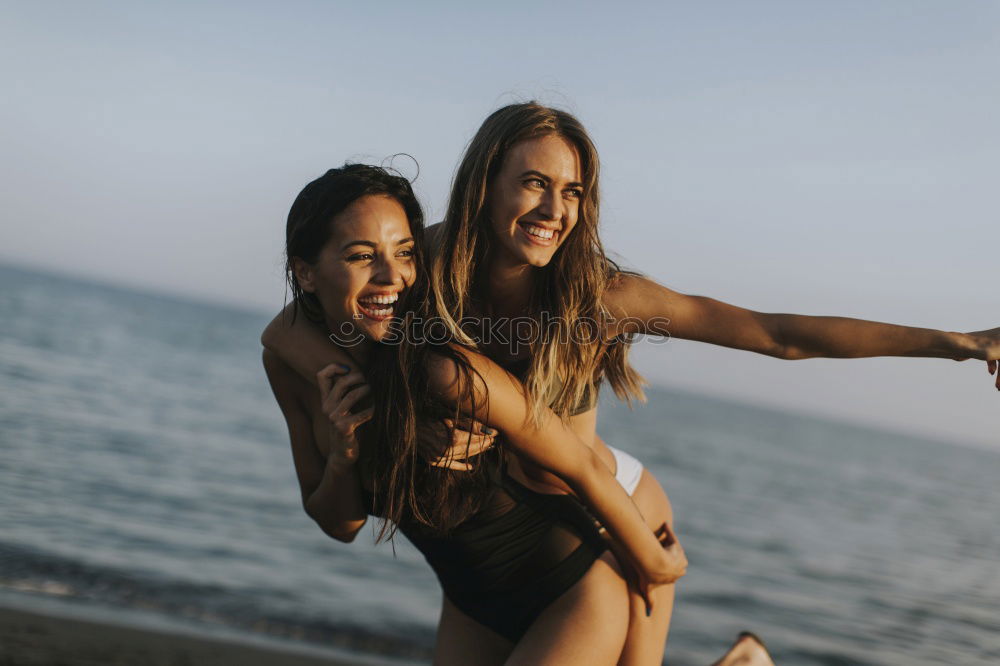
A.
x: 305, y: 275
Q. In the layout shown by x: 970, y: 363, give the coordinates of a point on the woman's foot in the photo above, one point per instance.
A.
x: 748, y: 650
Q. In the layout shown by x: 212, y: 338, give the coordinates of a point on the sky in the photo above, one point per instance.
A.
x: 809, y: 157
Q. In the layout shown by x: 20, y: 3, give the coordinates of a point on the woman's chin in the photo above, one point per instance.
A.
x: 538, y: 257
x: 376, y: 330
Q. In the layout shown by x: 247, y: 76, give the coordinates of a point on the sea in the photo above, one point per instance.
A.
x: 145, y: 473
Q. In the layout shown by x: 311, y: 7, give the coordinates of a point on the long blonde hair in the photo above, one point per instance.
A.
x: 570, y: 288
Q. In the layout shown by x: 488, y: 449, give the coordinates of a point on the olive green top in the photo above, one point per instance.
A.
x: 519, y: 369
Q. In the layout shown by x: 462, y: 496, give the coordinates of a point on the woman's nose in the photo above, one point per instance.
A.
x: 388, y: 271
x: 551, y: 206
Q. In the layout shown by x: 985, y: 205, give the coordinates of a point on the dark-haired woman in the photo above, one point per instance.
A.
x: 354, y: 265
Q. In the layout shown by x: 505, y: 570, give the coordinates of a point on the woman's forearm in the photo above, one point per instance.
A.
x: 599, y: 490
x: 802, y: 336
x: 555, y: 448
x: 641, y: 305
x: 301, y: 344
x: 552, y: 446
x: 336, y: 504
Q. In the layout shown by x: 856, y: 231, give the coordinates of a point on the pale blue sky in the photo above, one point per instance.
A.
x: 826, y: 158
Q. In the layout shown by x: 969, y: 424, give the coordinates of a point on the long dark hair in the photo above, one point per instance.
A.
x: 402, y: 436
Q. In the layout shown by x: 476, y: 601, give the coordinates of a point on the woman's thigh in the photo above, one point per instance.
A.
x: 461, y: 641
x: 586, y: 625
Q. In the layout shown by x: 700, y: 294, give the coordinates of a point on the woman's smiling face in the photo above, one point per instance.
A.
x: 534, y: 200
x: 364, y: 266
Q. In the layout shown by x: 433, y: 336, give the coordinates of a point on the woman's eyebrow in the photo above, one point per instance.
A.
x: 547, y: 179
x: 373, y: 245
x: 538, y: 174
x: 358, y: 242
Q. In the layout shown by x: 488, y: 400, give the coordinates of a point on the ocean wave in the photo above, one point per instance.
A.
x: 30, y: 571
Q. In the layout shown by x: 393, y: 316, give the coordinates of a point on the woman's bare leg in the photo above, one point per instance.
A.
x: 647, y: 636
x: 461, y: 641
x: 586, y: 625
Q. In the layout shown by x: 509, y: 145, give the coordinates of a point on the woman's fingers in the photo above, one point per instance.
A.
x: 447, y: 462
x: 678, y: 560
x: 363, y: 416
x: 645, y: 591
x: 468, y: 424
x: 464, y: 445
x: 343, y: 406
x: 326, y: 377
x: 675, y: 552
x: 343, y: 384
x: 462, y: 441
x: 483, y: 429
x: 479, y: 444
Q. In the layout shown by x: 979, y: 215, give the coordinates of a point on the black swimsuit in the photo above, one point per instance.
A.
x: 507, y: 563
x: 503, y: 566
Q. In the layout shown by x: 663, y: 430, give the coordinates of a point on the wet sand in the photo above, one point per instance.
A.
x: 31, y: 638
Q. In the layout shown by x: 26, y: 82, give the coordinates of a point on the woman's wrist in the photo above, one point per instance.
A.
x: 960, y: 345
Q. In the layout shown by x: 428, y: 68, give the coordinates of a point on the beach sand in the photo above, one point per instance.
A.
x: 30, y: 638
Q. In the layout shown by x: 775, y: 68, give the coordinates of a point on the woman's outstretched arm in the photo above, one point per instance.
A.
x: 640, y: 305
x: 551, y: 445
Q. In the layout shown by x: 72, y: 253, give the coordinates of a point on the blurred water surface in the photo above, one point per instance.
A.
x: 144, y: 466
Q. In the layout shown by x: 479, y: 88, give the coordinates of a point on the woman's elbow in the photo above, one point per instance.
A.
x: 345, y: 533
x: 792, y: 353
x: 585, y: 473
x: 341, y: 530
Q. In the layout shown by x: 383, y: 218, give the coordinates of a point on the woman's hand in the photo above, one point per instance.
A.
x: 671, y: 566
x: 644, y: 578
x: 674, y: 563
x: 468, y: 438
x: 985, y: 346
x: 340, y: 389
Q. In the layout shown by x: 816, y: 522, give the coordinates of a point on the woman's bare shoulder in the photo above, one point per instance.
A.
x: 287, y: 385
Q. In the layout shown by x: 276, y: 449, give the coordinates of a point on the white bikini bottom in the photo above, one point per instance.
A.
x: 628, y: 470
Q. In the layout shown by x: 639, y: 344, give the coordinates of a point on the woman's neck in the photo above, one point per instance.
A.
x: 509, y: 286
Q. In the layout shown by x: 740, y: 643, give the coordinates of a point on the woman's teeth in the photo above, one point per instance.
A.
x: 541, y: 232
x: 378, y: 306
x: 381, y: 300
